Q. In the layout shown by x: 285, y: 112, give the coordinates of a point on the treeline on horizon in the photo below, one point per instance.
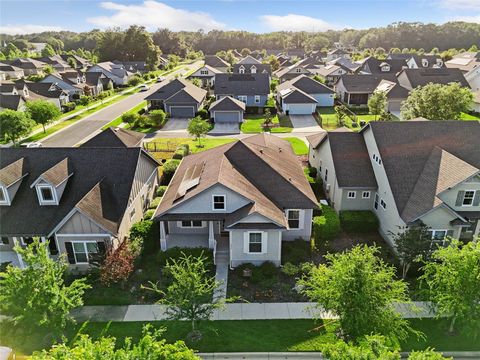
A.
x: 401, y: 35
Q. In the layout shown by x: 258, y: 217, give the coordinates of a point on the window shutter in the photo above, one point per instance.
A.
x: 101, y: 248
x: 70, y: 255
x: 476, y: 199
x: 301, y: 219
x: 264, y: 242
x: 245, y: 242
x: 460, y: 195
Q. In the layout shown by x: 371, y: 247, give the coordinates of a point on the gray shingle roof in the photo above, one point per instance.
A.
x: 296, y: 96
x: 421, y: 77
x: 215, y: 61
x: 242, y: 84
x: 115, y: 137
x: 307, y: 85
x: 227, y: 103
x: 175, y: 86
x: 364, y: 83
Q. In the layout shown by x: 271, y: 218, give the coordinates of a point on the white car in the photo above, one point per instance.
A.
x: 161, y: 78
x: 31, y: 145
x: 144, y: 87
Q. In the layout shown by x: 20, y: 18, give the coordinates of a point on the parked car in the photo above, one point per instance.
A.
x: 144, y: 87
x: 161, y: 78
x: 31, y: 145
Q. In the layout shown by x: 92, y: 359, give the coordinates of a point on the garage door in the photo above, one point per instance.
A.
x: 226, y: 116
x: 182, y: 111
x: 300, y: 109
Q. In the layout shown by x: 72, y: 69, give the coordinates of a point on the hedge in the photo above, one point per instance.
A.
x: 359, y: 221
x: 327, y: 226
x: 169, y: 169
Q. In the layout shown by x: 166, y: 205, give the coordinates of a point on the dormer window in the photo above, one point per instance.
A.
x: 253, y: 69
x: 3, y: 196
x: 46, y: 193
x: 298, y: 70
x: 385, y: 68
x: 51, y: 184
x: 218, y: 202
x: 424, y: 62
x: 439, y: 62
x: 241, y: 70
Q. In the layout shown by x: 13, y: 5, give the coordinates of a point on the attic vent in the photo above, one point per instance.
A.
x: 190, y: 179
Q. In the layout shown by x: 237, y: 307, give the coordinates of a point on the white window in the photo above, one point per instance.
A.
x: 191, y: 224
x: 366, y: 195
x: 424, y: 62
x: 255, y: 242
x: 293, y: 217
x: 257, y: 99
x: 3, y: 196
x: 242, y: 98
x: 83, y: 251
x: 45, y: 193
x: 468, y: 198
x: 438, y: 235
x: 377, y: 198
x: 351, y: 195
x: 218, y: 202
x: 253, y: 69
x: 241, y: 70
x: 383, y: 204
x: 203, y: 72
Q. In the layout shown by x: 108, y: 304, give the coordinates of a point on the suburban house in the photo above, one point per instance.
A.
x: 372, y: 65
x: 44, y: 91
x: 98, y: 82
x: 115, y: 137
x: 469, y: 64
x: 252, y: 89
x: 116, y: 72
x: 227, y: 110
x: 56, y: 62
x: 13, y: 96
x: 302, y: 95
x: 330, y: 72
x: 11, y: 72
x: 290, y: 72
x: 179, y: 97
x: 252, y: 68
x: 407, y: 173
x: 219, y: 198
x: 396, y: 94
x: 216, y: 62
x: 412, y: 78
x: 73, y: 82
x: 354, y: 89
x: 206, y: 74
x: 82, y: 199
x: 133, y: 66
x: 425, y: 61
x: 29, y: 66
x: 336, y: 54
x: 80, y: 62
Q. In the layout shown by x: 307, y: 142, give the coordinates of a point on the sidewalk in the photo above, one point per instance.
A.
x: 234, y: 311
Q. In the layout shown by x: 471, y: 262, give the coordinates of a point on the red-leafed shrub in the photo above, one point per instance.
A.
x: 118, y: 265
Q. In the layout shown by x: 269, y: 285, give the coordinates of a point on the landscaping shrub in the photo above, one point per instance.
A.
x: 69, y: 106
x: 312, y: 171
x: 158, y: 117
x: 264, y: 272
x: 161, y: 190
x: 118, y: 265
x: 154, y: 203
x: 178, y: 155
x: 203, y: 113
x: 175, y: 253
x: 359, y: 221
x: 310, y: 179
x: 84, y: 100
x: 169, y: 169
x: 327, y: 226
x: 296, y: 251
x: 135, y: 80
x: 129, y: 118
x: 181, y: 151
x: 290, y: 269
x: 148, y: 214
x: 142, y: 122
x: 148, y: 232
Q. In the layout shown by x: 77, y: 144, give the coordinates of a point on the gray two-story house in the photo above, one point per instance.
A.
x: 251, y: 89
x: 406, y: 173
x: 219, y: 198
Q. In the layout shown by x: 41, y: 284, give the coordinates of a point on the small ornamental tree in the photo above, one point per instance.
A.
x: 377, y: 103
x: 198, y: 128
x: 37, y: 295
x: 360, y: 288
x: 341, y: 113
x: 158, y: 117
x: 452, y: 279
x: 189, y: 296
x: 14, y: 125
x: 118, y: 265
x: 413, y: 243
x: 267, y: 118
x: 42, y: 112
x: 150, y: 346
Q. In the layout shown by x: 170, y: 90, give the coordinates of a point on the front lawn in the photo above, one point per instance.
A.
x: 298, y: 145
x: 465, y: 116
x: 329, y: 119
x: 245, y: 336
x: 253, y: 124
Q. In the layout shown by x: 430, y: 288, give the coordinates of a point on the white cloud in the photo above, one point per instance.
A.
x: 460, y: 4
x: 293, y: 22
x: 27, y: 29
x: 468, y: 18
x: 154, y: 14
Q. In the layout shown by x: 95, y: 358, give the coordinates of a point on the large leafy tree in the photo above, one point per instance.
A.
x: 37, y: 294
x: 377, y: 103
x: 190, y: 296
x: 452, y: 278
x: 14, y: 124
x: 43, y: 112
x: 413, y: 243
x: 437, y: 102
x: 360, y: 288
x: 150, y: 346
x: 198, y: 128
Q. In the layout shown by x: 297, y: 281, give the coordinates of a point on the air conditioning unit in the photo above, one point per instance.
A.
x: 327, y: 188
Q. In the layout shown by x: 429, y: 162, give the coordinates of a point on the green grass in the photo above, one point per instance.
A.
x: 299, y: 146
x: 247, y: 335
x: 465, y: 116
x: 329, y: 119
x: 173, y: 143
x: 118, y: 120
x: 253, y: 124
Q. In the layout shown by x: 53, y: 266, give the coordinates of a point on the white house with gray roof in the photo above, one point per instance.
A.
x: 406, y: 173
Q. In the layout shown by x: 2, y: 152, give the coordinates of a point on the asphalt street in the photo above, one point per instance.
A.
x: 74, y: 134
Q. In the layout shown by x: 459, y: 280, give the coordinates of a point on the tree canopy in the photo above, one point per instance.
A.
x: 42, y: 112
x: 14, y: 124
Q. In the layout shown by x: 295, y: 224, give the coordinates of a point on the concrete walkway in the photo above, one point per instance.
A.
x: 233, y: 311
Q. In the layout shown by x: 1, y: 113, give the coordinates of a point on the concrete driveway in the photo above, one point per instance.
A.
x: 225, y: 129
x: 304, y: 123
x: 176, y: 125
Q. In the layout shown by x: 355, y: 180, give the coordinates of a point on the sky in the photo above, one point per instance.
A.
x: 27, y: 16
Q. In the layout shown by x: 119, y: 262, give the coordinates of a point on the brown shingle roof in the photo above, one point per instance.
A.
x: 12, y: 173
x: 57, y: 173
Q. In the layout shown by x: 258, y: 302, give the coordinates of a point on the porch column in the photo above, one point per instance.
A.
x: 211, y: 236
x: 163, y: 237
x: 459, y: 232
x: 20, y: 259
